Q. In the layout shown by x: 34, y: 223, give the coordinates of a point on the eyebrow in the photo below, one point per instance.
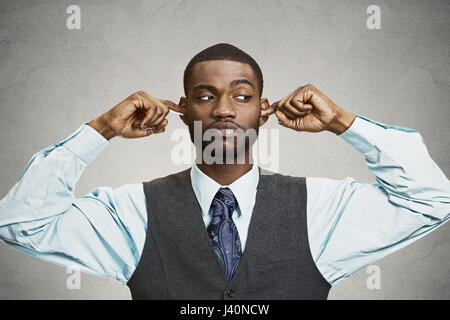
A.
x: 241, y: 81
x: 232, y: 84
x: 205, y: 86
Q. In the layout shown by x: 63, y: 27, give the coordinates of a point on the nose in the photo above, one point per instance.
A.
x: 224, y: 108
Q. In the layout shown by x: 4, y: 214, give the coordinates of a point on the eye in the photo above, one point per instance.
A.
x: 206, y: 98
x: 243, y: 97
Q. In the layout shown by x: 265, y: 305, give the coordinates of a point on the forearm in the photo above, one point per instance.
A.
x: 410, y: 199
x: 403, y: 167
x: 46, y: 186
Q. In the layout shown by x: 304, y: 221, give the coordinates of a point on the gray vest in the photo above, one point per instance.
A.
x: 178, y: 261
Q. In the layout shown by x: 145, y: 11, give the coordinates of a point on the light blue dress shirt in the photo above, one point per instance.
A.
x: 350, y: 224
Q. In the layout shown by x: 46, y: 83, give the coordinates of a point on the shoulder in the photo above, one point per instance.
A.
x: 276, y: 177
x: 174, y: 177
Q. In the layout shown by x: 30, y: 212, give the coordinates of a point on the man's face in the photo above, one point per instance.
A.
x: 223, y: 94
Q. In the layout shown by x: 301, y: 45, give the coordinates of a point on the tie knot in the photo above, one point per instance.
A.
x: 224, y: 198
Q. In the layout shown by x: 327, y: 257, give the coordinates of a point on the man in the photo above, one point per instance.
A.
x: 226, y: 229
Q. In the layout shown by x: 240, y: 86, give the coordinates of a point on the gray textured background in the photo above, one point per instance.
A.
x: 53, y: 79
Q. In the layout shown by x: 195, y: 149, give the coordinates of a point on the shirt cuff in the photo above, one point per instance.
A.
x: 364, y: 133
x: 86, y: 143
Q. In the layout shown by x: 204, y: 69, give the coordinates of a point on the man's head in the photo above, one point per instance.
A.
x: 223, y: 87
x: 218, y: 52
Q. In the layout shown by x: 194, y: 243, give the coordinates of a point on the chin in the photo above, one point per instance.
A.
x: 237, y: 153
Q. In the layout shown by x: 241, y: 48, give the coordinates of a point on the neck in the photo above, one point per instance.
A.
x: 225, y: 174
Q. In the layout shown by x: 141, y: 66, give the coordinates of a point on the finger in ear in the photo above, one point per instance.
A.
x: 266, y: 108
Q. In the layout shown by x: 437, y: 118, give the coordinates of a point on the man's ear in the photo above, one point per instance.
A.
x: 182, y: 105
x: 266, y: 111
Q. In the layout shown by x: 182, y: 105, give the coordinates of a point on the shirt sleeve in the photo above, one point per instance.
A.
x: 351, y: 224
x: 101, y: 233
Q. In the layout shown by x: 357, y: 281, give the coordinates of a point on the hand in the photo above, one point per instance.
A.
x: 139, y: 115
x: 308, y: 109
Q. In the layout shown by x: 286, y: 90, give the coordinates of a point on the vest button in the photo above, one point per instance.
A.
x: 231, y: 293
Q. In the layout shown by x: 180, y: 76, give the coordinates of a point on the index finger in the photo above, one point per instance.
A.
x: 268, y: 111
x: 171, y: 105
x: 275, y: 105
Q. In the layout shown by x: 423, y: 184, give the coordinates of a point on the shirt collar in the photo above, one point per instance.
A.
x: 244, y: 189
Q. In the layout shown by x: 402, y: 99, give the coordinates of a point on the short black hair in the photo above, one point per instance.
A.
x: 223, y: 51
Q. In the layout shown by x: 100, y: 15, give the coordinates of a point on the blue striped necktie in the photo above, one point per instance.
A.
x: 223, y: 232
